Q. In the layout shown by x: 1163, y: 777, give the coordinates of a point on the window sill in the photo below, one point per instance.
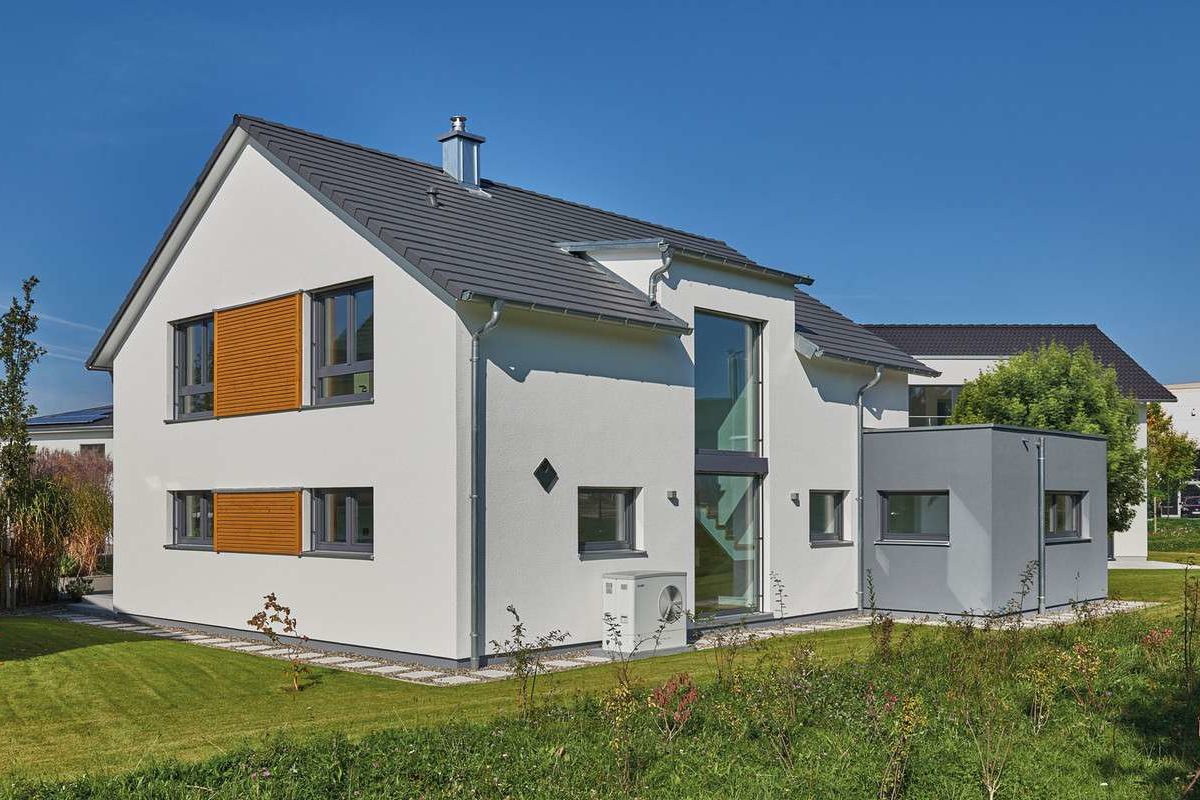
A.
x: 911, y: 543
x: 1064, y: 540
x: 320, y: 407
x: 200, y: 548
x: 830, y: 543
x: 600, y: 555
x: 348, y: 555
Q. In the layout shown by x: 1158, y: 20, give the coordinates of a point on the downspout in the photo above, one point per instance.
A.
x: 656, y: 276
x: 858, y: 522
x: 1041, y: 527
x: 477, y: 521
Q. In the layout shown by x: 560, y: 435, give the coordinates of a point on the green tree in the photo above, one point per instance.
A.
x: 18, y: 354
x: 1062, y: 390
x: 1170, y: 458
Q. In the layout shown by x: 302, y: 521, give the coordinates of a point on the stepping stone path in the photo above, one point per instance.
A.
x: 433, y: 677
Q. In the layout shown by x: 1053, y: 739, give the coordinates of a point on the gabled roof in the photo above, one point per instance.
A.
x: 837, y: 336
x: 500, y: 243
x: 928, y: 341
x: 97, y: 416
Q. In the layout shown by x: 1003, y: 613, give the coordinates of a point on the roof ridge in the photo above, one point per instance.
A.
x: 513, y: 187
x: 981, y: 325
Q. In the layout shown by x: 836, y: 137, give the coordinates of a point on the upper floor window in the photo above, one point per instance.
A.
x: 1064, y: 515
x: 194, y: 368
x: 344, y: 344
x: 727, y: 382
x: 930, y: 405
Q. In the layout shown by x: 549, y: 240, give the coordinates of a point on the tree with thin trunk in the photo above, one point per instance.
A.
x: 1170, y: 458
x: 18, y: 353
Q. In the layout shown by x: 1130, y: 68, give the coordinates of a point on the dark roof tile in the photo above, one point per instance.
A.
x: 840, y: 337
x: 929, y: 341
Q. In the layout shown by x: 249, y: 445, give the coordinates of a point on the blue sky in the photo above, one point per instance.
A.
x: 923, y: 161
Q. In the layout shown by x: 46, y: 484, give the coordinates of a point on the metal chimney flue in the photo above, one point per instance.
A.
x: 460, y: 152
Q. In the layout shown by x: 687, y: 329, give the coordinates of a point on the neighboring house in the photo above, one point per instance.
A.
x: 1185, y: 415
x: 403, y: 397
x: 85, y: 430
x: 961, y: 352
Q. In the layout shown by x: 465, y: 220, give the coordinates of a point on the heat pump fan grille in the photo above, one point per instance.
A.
x: 670, y: 604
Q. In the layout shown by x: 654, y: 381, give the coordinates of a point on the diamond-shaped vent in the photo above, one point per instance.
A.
x: 546, y: 475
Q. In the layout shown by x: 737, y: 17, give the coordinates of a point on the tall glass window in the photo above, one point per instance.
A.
x: 726, y: 384
x: 930, y: 405
x: 727, y: 544
x: 194, y: 368
x: 344, y: 343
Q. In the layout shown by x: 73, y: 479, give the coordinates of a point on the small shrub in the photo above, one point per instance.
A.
x: 77, y: 587
x: 274, y: 613
x: 524, y: 656
x: 673, y: 703
x: 1156, y: 646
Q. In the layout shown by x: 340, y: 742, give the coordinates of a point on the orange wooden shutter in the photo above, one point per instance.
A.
x: 257, y: 357
x: 256, y: 522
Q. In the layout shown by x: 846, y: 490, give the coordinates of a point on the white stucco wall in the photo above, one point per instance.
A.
x: 613, y: 406
x: 263, y: 236
x: 1185, y: 412
x: 71, y: 440
x: 1129, y: 544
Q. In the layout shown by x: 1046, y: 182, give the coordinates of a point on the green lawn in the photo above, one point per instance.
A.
x: 75, y: 698
x: 173, y: 720
x: 1175, y: 535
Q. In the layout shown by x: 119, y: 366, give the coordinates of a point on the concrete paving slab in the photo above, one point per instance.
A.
x: 417, y: 675
x: 561, y: 663
x: 593, y: 659
x: 390, y: 669
x: 330, y: 660
x: 278, y: 651
x: 492, y: 673
x: 359, y: 664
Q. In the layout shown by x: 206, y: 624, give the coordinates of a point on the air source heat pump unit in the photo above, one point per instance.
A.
x: 644, y: 611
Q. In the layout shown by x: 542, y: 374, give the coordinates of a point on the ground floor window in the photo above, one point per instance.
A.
x: 93, y: 449
x: 825, y: 519
x: 193, y: 519
x: 915, y: 516
x: 606, y: 519
x: 1064, y: 515
x: 343, y: 519
x: 727, y: 568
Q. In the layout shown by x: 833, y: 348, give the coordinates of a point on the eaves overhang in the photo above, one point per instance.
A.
x: 809, y: 349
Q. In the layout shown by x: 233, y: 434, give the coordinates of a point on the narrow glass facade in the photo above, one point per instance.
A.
x: 727, y: 544
x: 727, y: 384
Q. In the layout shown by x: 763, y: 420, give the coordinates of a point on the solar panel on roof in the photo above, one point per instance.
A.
x: 82, y: 417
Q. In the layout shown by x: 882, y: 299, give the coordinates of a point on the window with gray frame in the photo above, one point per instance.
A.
x: 915, y: 516
x: 194, y: 368
x: 606, y: 519
x: 344, y: 344
x: 193, y: 519
x: 930, y: 405
x: 825, y: 517
x: 1064, y: 515
x: 343, y: 520
x: 93, y: 449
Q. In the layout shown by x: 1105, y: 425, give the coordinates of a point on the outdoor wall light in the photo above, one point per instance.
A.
x: 796, y: 498
x: 673, y: 497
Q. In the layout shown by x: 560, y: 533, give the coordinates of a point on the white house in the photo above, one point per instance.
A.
x: 82, y: 431
x: 403, y: 397
x: 961, y: 352
x: 1185, y: 416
